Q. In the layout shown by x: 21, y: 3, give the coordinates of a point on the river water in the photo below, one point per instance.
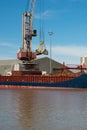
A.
x: 30, y: 109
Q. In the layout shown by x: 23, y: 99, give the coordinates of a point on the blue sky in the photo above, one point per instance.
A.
x: 67, y: 19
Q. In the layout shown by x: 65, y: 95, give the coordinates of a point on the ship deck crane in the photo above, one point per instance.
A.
x: 25, y: 53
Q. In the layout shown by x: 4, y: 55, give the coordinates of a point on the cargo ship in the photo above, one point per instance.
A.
x: 27, y: 74
x: 39, y: 81
x: 35, y: 79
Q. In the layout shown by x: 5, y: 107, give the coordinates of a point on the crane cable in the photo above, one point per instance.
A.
x: 41, y: 48
x: 41, y: 20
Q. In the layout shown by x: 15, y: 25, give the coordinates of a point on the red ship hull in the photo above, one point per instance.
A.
x: 40, y: 81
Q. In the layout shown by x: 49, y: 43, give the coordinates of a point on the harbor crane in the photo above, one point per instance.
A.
x: 25, y: 53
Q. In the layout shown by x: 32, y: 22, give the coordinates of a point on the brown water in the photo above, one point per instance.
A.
x: 43, y: 109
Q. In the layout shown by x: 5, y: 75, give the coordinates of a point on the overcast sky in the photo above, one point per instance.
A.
x: 67, y: 19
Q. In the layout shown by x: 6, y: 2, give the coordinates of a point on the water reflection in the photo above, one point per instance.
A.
x: 26, y: 108
x: 34, y: 107
x: 43, y: 110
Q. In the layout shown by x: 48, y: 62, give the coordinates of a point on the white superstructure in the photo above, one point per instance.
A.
x: 84, y: 61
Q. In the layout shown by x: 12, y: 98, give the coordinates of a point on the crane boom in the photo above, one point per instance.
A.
x: 32, y: 8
